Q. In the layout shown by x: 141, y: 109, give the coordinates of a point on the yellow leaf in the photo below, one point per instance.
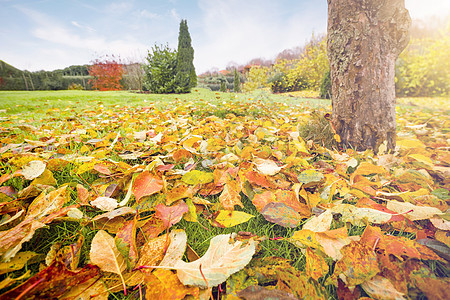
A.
x: 18, y: 261
x: 230, y: 218
x: 366, y: 168
x: 315, y: 266
x: 423, y: 159
x: 410, y: 143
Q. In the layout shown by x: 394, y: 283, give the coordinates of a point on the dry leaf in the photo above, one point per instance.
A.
x: 266, y: 166
x: 224, y: 257
x: 411, y: 211
x: 33, y: 169
x: 105, y: 254
x: 105, y: 203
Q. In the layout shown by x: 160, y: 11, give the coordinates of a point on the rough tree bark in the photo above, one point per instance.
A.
x: 364, y: 39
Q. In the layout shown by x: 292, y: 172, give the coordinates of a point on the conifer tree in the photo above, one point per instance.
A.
x: 185, y: 78
x: 237, y: 82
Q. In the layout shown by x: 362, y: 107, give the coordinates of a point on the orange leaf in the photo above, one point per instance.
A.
x: 51, y: 282
x: 164, y: 284
x: 146, y: 184
x: 359, y: 263
x: 230, y: 195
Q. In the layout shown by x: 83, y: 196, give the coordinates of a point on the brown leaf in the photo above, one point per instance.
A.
x: 126, y: 241
x: 11, y: 240
x: 51, y: 282
x: 152, y: 253
x: 256, y: 292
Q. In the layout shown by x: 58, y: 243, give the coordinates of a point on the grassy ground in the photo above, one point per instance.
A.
x: 62, y: 112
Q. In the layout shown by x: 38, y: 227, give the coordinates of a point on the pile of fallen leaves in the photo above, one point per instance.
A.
x: 369, y: 225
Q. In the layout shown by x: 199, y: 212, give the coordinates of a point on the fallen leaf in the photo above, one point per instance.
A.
x: 379, y: 287
x: 93, y: 289
x: 266, y: 166
x: 106, y: 256
x: 230, y: 218
x: 51, y: 282
x: 164, y: 284
x: 11, y: 240
x: 411, y: 211
x: 146, y: 184
x: 353, y: 274
x: 105, y: 203
x: 281, y: 214
x: 46, y: 204
x: 224, y: 257
x: 19, y: 261
x: 195, y: 177
x: 315, y: 266
x: 33, y: 169
x: 319, y: 223
x: 152, y: 253
x: 126, y: 242
x: 230, y: 196
x: 176, y: 248
x: 256, y: 292
x: 309, y: 177
x: 171, y: 214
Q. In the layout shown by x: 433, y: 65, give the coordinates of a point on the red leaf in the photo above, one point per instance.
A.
x: 171, y: 214
x: 51, y: 282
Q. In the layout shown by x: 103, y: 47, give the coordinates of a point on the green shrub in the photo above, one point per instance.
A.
x: 318, y: 129
x: 422, y: 69
x: 256, y: 78
x: 75, y: 86
x: 160, y: 70
x: 236, y: 82
x: 325, y: 86
x: 223, y: 86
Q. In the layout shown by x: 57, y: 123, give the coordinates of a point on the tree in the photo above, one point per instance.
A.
x: 365, y: 37
x: 237, y: 81
x: 134, y: 76
x: 106, y: 73
x: 185, y: 78
x: 160, y: 70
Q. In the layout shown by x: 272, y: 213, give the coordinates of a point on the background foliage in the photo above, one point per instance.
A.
x: 106, y: 73
x: 160, y: 70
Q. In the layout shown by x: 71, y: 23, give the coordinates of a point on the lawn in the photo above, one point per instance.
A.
x: 97, y: 187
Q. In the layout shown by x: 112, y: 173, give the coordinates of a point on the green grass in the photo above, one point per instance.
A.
x: 60, y: 111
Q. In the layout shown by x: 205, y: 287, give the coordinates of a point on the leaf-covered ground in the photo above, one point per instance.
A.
x: 218, y: 194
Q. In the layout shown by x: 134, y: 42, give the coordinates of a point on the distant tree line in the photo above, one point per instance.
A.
x: 12, y: 78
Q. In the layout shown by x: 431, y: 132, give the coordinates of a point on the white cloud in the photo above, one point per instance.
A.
x: 420, y: 9
x: 84, y: 27
x: 242, y: 30
x: 175, y: 14
x: 68, y: 44
x: 149, y: 15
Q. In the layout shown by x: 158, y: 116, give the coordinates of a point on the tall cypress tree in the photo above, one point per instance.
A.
x: 185, y: 78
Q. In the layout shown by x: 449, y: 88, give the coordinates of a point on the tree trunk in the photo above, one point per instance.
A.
x: 364, y: 39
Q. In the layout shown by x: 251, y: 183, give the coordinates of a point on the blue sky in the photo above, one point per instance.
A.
x: 52, y: 34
